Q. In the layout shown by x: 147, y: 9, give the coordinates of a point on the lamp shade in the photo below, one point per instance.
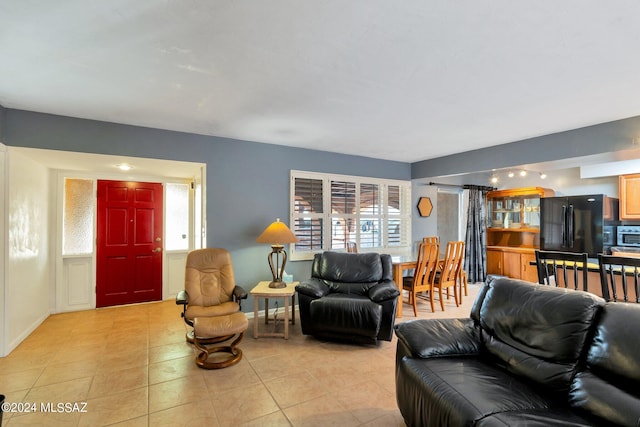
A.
x: 277, y: 234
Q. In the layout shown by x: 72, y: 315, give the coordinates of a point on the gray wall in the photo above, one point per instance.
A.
x: 247, y: 182
x: 602, y: 138
x: 2, y: 121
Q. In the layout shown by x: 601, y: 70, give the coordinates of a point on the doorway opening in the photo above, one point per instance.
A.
x: 449, y: 215
x: 87, y: 279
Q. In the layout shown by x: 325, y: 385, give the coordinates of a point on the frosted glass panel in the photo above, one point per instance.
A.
x: 78, y: 212
x: 177, y: 217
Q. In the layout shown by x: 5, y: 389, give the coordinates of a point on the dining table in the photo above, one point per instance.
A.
x: 400, y: 264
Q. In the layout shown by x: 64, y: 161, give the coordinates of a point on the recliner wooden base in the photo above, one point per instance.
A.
x: 219, y: 329
x: 202, y: 359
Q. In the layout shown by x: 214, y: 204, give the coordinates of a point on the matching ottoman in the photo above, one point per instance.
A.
x: 217, y: 330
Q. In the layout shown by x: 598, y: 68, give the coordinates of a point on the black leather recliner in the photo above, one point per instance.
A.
x: 350, y: 296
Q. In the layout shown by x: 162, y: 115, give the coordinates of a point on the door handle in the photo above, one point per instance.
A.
x: 157, y: 250
x: 564, y: 225
x: 571, y: 230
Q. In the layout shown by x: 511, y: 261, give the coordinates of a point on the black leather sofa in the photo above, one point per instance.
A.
x: 529, y: 355
x: 350, y: 296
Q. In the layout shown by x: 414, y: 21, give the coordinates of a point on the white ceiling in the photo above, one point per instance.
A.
x: 400, y: 80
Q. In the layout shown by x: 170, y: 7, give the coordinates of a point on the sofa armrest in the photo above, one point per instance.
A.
x: 383, y: 291
x: 315, y: 288
x: 438, y: 337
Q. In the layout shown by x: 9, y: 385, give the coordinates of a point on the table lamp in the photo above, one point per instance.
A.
x: 277, y: 234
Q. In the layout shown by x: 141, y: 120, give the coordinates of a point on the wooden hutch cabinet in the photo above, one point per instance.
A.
x: 629, y: 190
x: 513, y: 231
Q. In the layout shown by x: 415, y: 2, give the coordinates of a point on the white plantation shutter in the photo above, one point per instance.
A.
x: 343, y: 213
x: 371, y: 225
x: 329, y: 210
x: 398, y: 212
x: 307, y: 213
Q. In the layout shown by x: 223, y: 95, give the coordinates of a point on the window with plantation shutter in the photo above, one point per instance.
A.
x: 327, y: 211
x: 307, y: 214
x: 370, y: 216
x: 343, y: 213
x: 397, y: 205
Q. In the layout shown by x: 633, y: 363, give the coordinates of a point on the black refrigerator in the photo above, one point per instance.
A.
x: 578, y: 224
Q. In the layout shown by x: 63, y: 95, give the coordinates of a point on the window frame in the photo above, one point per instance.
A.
x: 404, y: 216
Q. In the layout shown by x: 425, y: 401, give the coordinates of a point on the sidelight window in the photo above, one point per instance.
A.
x: 78, y: 213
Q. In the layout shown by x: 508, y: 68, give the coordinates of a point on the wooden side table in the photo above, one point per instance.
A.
x: 262, y: 290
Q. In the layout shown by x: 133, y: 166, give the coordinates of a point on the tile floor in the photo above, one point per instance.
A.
x: 132, y: 367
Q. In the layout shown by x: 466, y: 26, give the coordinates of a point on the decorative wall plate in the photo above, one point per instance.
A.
x: 424, y: 206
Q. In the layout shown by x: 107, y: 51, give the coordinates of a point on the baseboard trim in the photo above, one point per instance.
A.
x: 280, y: 311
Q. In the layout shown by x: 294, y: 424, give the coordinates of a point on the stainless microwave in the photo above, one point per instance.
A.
x: 629, y: 235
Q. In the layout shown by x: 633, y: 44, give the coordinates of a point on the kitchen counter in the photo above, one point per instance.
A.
x: 594, y: 284
x: 627, y: 251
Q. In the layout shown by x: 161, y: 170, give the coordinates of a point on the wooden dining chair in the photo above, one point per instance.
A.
x: 562, y: 269
x: 352, y: 247
x: 462, y: 276
x: 463, y: 281
x: 433, y: 240
x: 619, y: 275
x: 449, y: 272
x: 424, y: 274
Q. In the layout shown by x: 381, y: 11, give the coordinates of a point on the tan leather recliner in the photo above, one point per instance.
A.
x: 211, y: 305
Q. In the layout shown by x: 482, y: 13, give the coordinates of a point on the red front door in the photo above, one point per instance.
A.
x: 129, y: 247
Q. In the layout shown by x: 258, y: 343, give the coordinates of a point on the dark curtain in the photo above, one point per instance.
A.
x: 475, y: 260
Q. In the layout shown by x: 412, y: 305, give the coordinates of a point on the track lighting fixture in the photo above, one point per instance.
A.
x: 511, y: 173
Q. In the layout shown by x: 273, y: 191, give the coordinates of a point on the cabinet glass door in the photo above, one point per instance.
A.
x: 531, y: 212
